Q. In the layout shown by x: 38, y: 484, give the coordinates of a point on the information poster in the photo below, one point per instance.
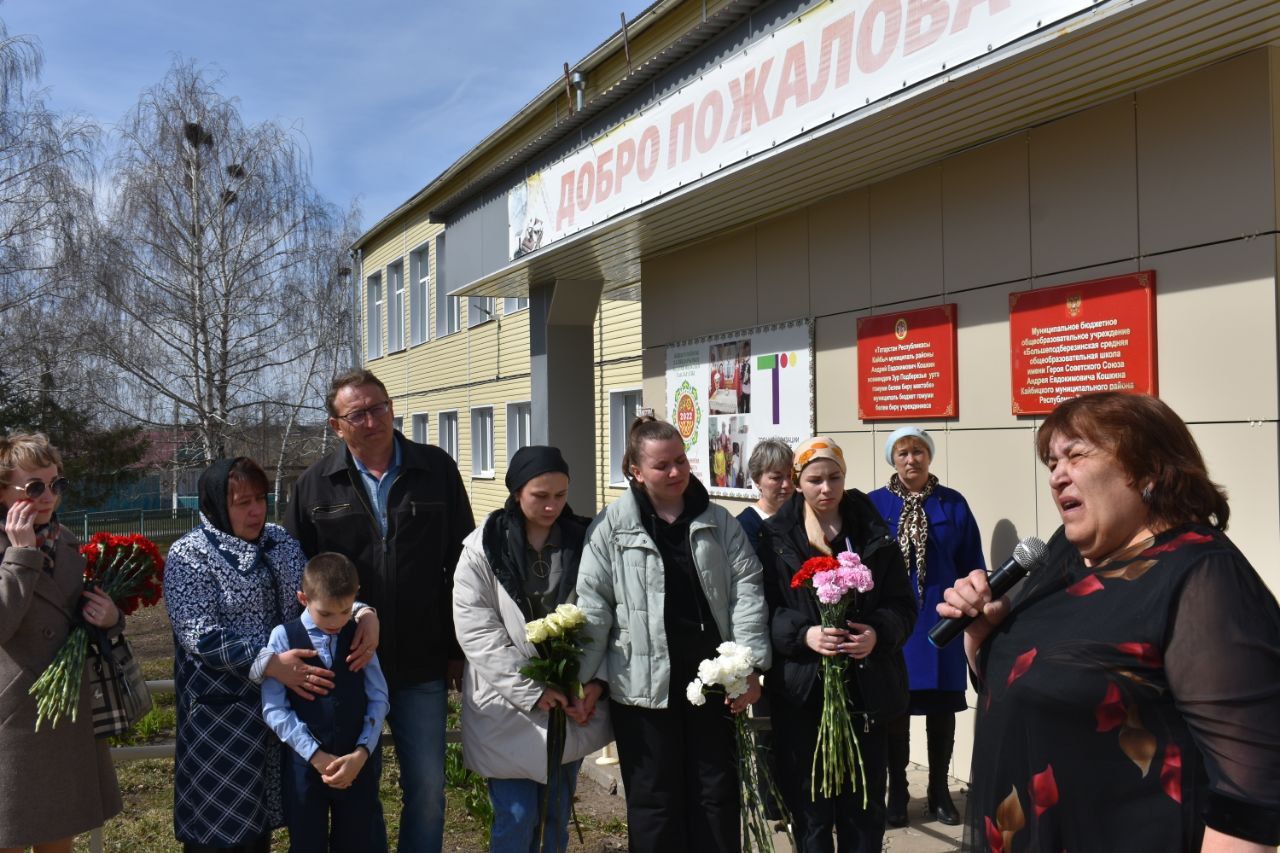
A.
x: 907, y: 365
x: 727, y: 392
x: 1071, y: 340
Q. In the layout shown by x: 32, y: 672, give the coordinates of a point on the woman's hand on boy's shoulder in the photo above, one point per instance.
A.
x: 291, y: 669
x: 365, y: 641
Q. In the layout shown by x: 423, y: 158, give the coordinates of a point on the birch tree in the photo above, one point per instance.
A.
x: 215, y: 249
x: 46, y: 173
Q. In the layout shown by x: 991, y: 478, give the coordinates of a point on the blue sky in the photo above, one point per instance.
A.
x: 388, y: 93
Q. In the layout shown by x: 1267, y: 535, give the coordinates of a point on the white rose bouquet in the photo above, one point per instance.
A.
x: 728, y: 674
x: 556, y: 637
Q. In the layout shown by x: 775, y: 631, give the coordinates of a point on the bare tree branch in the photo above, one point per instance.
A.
x: 219, y: 266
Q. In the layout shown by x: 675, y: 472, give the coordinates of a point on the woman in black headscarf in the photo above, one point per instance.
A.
x: 520, y: 566
x: 227, y: 583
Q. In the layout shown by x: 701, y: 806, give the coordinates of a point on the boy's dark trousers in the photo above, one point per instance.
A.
x: 335, y: 720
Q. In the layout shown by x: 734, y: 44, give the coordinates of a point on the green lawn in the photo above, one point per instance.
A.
x: 147, y: 788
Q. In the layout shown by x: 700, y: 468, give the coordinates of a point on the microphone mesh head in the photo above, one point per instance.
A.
x: 1029, y: 553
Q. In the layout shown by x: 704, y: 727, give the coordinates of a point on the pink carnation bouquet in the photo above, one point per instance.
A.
x: 834, y: 580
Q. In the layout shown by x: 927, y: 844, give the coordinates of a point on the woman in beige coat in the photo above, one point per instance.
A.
x: 57, y: 782
x: 519, y: 566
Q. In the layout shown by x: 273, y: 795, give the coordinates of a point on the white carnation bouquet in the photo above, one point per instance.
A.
x: 555, y: 636
x: 728, y: 673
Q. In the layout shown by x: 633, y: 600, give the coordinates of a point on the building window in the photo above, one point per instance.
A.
x: 373, y: 311
x: 420, y: 424
x: 449, y: 433
x: 419, y: 282
x: 482, y: 442
x: 395, y: 307
x: 512, y: 305
x: 448, y: 308
x: 479, y: 310
x: 624, y: 406
x: 519, y: 427
x: 397, y: 424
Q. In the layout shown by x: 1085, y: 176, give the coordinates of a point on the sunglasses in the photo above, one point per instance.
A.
x: 35, y: 488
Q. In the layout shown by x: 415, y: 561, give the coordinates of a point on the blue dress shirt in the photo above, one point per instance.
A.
x: 285, y: 723
x: 379, y: 488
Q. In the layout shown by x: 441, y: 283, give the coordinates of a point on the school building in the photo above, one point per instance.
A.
x: 1018, y: 199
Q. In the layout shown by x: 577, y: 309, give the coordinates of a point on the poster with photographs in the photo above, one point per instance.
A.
x: 727, y: 392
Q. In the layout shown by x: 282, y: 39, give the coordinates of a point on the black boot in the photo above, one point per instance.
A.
x: 940, y: 729
x: 899, y: 736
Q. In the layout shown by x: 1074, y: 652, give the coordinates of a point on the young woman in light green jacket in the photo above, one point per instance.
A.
x: 665, y: 578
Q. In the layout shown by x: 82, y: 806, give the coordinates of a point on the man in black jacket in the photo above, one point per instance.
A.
x: 399, y: 511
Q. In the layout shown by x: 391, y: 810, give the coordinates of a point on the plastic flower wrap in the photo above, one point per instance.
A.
x: 832, y: 580
x: 130, y: 570
x: 729, y: 673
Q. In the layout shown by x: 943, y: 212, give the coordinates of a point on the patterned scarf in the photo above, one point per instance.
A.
x: 913, y: 526
x: 47, y: 541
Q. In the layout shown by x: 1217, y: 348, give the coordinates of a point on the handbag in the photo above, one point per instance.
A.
x: 118, y: 692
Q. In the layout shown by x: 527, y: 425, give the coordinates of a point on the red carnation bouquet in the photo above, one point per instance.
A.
x: 131, y: 571
x: 834, y: 580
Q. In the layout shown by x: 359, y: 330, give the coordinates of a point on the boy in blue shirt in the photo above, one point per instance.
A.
x: 335, y: 761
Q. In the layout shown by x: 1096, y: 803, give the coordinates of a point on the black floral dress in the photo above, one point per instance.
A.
x: 1124, y: 706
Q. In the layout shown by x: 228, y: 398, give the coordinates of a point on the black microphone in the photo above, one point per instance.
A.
x: 1026, y: 556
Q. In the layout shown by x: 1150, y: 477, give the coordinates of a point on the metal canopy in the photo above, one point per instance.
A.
x: 1117, y: 48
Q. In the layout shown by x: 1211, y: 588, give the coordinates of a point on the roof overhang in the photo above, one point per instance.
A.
x: 446, y: 193
x: 1115, y: 48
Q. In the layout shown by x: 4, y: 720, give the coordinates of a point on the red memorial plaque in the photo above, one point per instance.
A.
x: 907, y: 365
x: 1092, y: 336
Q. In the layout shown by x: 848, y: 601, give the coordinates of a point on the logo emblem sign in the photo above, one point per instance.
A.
x: 688, y: 412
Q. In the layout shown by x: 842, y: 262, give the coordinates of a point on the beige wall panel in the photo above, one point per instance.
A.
x: 986, y: 226
x: 655, y: 380
x: 1089, y: 274
x: 1046, y: 510
x: 983, y: 370
x: 1242, y: 458
x: 1273, y: 61
x: 1206, y: 158
x: 840, y: 254
x: 1084, y: 206
x: 782, y: 268
x: 962, y: 755
x: 906, y: 236
x: 1216, y: 330
x: 699, y: 290
x: 836, y: 372
x: 995, y: 471
x: 858, y: 450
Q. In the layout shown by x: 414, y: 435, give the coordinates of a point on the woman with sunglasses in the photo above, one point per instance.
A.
x: 57, y: 782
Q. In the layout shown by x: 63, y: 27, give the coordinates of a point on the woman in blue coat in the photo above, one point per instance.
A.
x: 940, y: 543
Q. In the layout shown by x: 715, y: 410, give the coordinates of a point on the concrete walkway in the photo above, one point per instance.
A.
x: 919, y: 836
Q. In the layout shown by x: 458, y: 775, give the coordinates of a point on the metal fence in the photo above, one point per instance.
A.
x: 159, y: 525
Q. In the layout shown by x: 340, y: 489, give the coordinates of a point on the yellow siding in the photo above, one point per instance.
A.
x: 489, y: 366
x: 618, y: 367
